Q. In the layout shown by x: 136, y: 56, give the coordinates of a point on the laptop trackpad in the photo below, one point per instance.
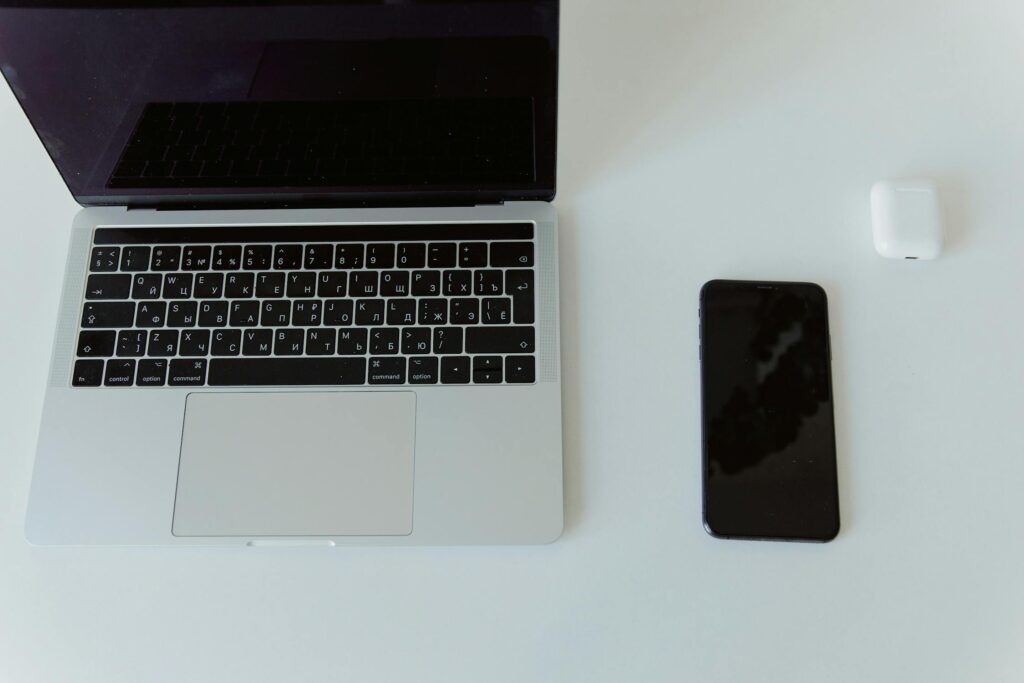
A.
x: 296, y: 464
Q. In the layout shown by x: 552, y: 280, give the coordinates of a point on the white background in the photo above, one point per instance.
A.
x: 699, y: 139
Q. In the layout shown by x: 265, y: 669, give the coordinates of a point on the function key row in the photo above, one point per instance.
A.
x: 349, y: 256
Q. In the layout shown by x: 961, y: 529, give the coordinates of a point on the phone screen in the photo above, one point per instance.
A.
x: 769, y: 434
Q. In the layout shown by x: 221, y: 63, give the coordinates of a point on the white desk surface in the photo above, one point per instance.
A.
x: 699, y: 139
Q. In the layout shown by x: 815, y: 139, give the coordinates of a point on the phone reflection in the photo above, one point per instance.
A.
x: 786, y: 385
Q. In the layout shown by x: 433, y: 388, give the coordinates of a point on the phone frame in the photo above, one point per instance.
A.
x: 763, y: 284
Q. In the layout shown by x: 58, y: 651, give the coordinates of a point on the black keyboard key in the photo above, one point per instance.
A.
x: 147, y: 286
x: 332, y: 284
x: 182, y: 313
x: 464, y: 312
x: 104, y: 260
x: 226, y: 343
x: 239, y: 285
x: 511, y: 254
x: 187, y: 373
x: 496, y: 311
x: 195, y: 258
x: 384, y: 341
x: 208, y: 286
x: 520, y: 370
x: 441, y: 255
x: 165, y: 258
x: 269, y: 285
x: 401, y: 312
x: 348, y: 256
x: 415, y: 341
x: 411, y: 255
x: 338, y: 312
x: 131, y: 343
x: 276, y: 313
x: 487, y: 370
x: 108, y: 287
x: 88, y: 373
x: 289, y: 342
x: 423, y: 370
x: 120, y: 372
x: 486, y: 363
x: 134, y: 259
x: 426, y: 283
x: 455, y: 370
x: 301, y: 285
x: 370, y: 312
x: 257, y: 257
x: 213, y: 314
x: 447, y: 340
x: 387, y: 371
x: 227, y: 257
x: 519, y: 285
x: 472, y: 254
x: 163, y: 343
x: 352, y: 342
x: 227, y: 372
x: 433, y: 312
x: 194, y: 343
x: 178, y: 286
x: 319, y: 256
x: 394, y: 283
x: 362, y: 283
x: 245, y: 313
x: 307, y: 313
x: 96, y: 344
x: 320, y: 342
x: 499, y: 340
x: 458, y: 282
x: 488, y: 282
x: 380, y: 256
x: 151, y: 373
x: 288, y: 257
x: 257, y: 342
x: 108, y: 314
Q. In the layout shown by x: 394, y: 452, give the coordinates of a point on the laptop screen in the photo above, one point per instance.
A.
x: 361, y: 102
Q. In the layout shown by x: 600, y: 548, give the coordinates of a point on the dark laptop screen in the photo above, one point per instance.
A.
x: 375, y: 102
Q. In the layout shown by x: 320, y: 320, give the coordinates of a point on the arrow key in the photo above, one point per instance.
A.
x: 487, y: 370
x: 520, y: 370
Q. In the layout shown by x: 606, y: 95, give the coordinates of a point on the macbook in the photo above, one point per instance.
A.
x: 312, y: 293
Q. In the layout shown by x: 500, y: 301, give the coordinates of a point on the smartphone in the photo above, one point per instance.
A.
x: 769, y: 444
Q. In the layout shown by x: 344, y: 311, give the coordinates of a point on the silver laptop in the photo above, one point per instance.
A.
x: 312, y: 296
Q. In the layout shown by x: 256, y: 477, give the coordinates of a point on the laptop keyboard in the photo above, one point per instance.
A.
x: 313, y: 306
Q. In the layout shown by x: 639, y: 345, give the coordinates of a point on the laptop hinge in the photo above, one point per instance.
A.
x: 443, y: 200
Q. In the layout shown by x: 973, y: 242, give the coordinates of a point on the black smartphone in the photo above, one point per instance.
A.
x: 768, y: 425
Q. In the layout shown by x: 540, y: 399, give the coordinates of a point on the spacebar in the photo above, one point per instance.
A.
x: 259, y: 372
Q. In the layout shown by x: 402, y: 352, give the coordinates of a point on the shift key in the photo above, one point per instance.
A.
x: 499, y: 340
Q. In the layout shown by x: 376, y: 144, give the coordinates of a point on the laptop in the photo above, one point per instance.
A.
x: 312, y: 294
